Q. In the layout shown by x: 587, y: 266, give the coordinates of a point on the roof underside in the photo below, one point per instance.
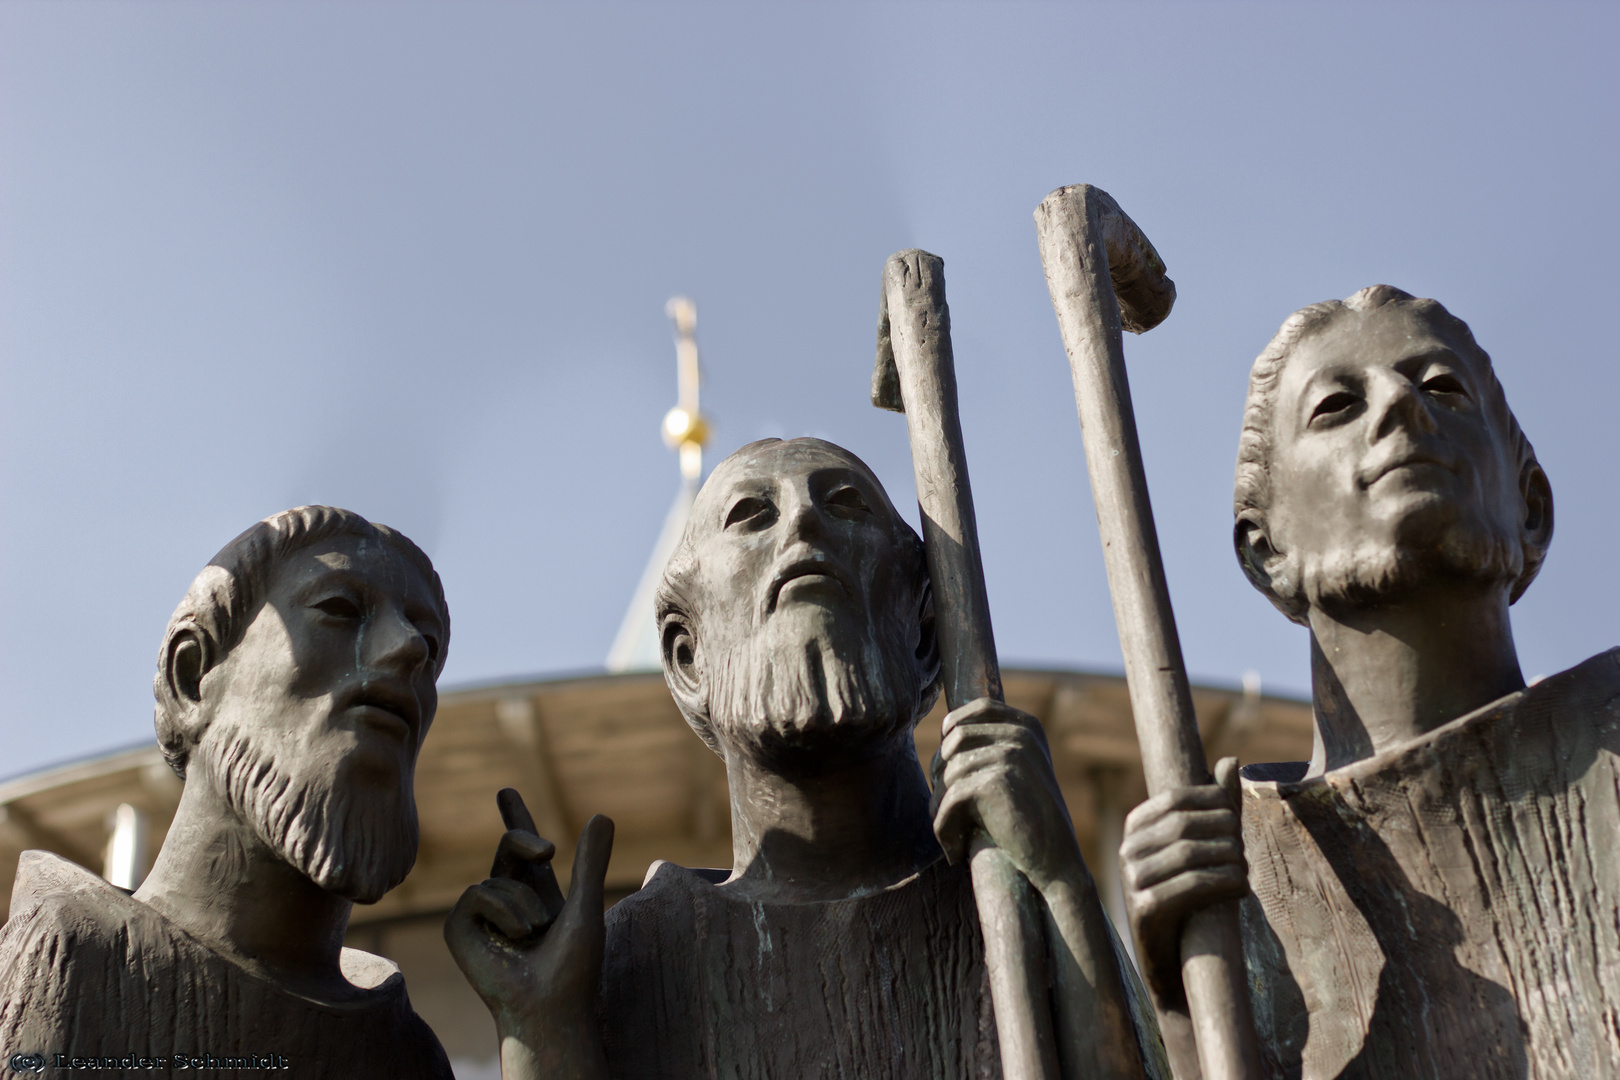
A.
x: 616, y: 745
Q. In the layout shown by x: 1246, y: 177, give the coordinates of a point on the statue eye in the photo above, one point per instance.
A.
x: 1338, y: 402
x: 751, y: 510
x: 847, y: 501
x: 338, y: 607
x: 1444, y: 383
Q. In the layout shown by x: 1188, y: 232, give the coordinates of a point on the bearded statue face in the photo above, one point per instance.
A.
x: 1392, y: 467
x: 315, y: 718
x: 796, y: 617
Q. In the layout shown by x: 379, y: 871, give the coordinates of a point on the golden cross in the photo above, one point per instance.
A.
x: 685, y: 427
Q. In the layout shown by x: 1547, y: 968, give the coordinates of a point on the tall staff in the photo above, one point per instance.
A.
x: 1104, y: 276
x: 916, y: 375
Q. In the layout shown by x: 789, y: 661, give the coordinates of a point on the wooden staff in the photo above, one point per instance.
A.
x: 1104, y: 276
x: 916, y: 375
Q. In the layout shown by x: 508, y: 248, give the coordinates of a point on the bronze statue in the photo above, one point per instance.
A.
x: 1437, y: 892
x: 294, y: 687
x: 797, y: 636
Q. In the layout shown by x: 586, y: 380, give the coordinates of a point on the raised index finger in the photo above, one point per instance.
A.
x: 513, y: 812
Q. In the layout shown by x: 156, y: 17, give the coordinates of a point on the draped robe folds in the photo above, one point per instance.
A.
x: 702, y: 984
x: 1450, y: 908
x: 86, y: 970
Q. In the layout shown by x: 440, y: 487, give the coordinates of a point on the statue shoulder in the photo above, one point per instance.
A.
x: 667, y: 904
x: 67, y: 938
x: 1591, y: 687
x: 55, y: 900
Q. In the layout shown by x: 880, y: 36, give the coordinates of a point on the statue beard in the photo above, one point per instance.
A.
x: 1379, y: 570
x: 355, y: 841
x: 813, y: 694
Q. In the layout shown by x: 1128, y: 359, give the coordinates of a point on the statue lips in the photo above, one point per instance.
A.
x: 820, y: 566
x: 1403, y: 461
x: 388, y: 707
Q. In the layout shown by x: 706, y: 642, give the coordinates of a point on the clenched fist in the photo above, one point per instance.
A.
x: 994, y: 772
x: 1183, y: 852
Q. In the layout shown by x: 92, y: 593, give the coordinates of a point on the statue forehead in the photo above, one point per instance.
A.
x: 781, y: 459
x: 368, y: 560
x: 1380, y: 337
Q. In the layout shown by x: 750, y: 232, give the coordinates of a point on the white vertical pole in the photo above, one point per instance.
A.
x: 126, y: 863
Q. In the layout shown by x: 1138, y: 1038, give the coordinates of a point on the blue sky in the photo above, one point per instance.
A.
x: 412, y: 259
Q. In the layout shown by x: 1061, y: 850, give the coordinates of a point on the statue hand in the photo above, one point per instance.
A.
x: 535, y: 958
x: 1183, y: 851
x: 994, y: 773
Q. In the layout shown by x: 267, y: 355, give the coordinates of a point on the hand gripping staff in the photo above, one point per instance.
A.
x: 1104, y: 275
x: 916, y: 375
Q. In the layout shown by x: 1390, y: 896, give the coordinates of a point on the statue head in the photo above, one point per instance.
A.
x: 795, y: 617
x: 1379, y: 457
x: 298, y: 679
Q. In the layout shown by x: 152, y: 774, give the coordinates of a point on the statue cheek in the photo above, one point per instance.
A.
x: 1285, y: 578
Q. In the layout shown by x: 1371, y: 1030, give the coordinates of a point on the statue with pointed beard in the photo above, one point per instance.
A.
x: 295, y: 685
x: 797, y: 633
x: 1436, y: 893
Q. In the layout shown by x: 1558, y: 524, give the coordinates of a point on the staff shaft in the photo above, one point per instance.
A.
x: 1074, y: 253
x: 1009, y: 918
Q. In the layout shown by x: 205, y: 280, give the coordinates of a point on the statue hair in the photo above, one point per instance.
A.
x: 223, y: 600
x: 1252, y: 488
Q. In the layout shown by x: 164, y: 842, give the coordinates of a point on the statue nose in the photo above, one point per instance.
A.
x: 1399, y: 406
x: 806, y: 521
x: 396, y: 643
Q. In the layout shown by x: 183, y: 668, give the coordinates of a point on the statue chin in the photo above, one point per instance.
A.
x: 1379, y: 570
x: 351, y: 840
x: 819, y: 699
x: 359, y: 864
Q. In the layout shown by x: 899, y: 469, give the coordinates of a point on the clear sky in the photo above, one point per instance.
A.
x: 412, y: 259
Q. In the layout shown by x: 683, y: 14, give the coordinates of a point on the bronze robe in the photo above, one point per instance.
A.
x: 701, y: 984
x: 86, y: 970
x: 1450, y: 908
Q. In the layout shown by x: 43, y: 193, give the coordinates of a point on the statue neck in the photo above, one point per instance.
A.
x: 836, y: 834
x: 215, y: 879
x: 1384, y: 675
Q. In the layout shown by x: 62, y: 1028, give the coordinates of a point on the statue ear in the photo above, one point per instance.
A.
x: 1538, y: 506
x: 1536, y: 527
x: 187, y: 659
x: 682, y: 669
x: 189, y: 653
x: 1267, y: 568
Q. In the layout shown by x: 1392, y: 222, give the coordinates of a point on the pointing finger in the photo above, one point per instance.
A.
x: 513, y: 812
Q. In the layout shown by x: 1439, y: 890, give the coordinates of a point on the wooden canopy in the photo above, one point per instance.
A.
x: 615, y: 745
